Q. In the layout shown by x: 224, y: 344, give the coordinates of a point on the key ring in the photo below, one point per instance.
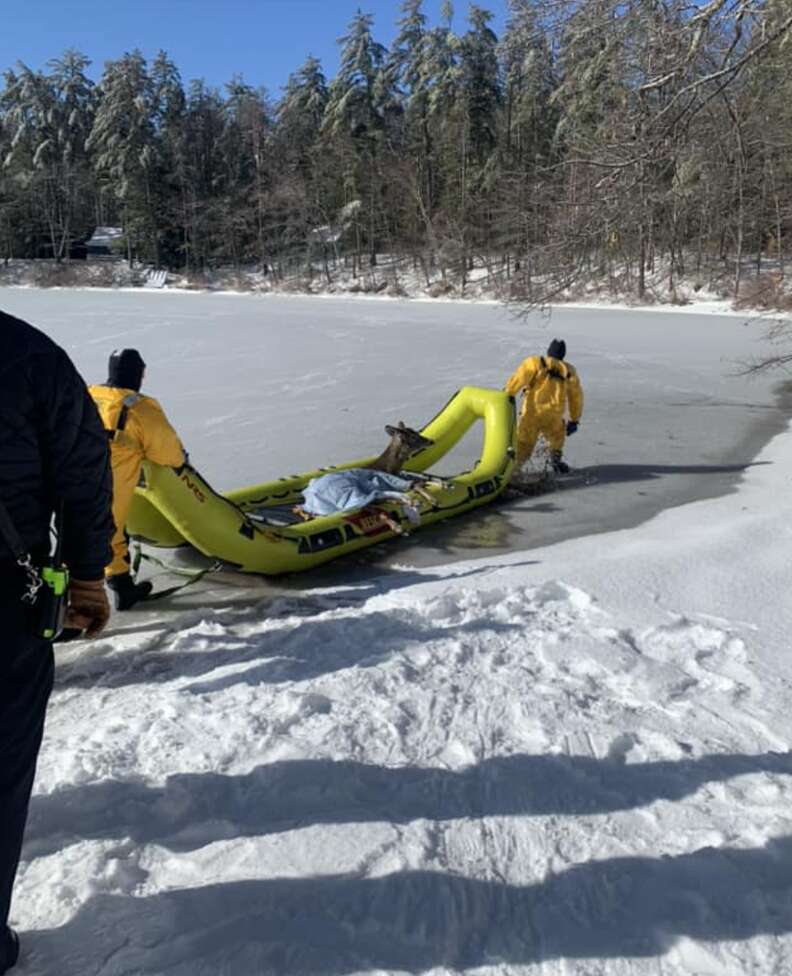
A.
x: 34, y: 580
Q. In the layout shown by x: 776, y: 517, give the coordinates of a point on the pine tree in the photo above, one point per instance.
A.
x: 51, y: 115
x: 356, y: 100
x: 123, y: 142
x: 204, y: 126
x: 441, y: 82
x: 301, y: 112
x: 528, y: 79
x: 480, y: 84
x: 528, y: 121
x: 244, y: 149
x: 407, y: 56
x: 359, y: 102
x: 169, y: 180
x: 17, y: 225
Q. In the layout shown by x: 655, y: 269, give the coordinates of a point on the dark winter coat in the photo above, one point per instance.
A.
x: 53, y: 449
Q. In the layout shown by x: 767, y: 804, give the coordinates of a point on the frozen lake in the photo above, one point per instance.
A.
x: 264, y: 386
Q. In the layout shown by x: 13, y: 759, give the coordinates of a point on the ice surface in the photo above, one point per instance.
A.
x: 260, y: 387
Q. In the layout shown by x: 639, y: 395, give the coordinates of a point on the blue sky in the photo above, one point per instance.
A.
x: 264, y: 40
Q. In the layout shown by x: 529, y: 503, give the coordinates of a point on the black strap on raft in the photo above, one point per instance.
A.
x: 191, y: 576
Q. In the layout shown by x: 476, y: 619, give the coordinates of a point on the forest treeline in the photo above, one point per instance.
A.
x: 594, y: 139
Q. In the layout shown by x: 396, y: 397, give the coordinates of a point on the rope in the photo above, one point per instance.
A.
x: 192, y: 576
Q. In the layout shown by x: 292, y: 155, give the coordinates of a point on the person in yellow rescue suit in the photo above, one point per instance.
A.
x: 549, y: 387
x: 138, y: 431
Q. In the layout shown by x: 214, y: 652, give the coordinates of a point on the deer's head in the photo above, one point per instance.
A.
x: 406, y: 441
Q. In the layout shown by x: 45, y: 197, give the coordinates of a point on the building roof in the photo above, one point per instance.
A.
x: 324, y: 235
x: 105, y: 236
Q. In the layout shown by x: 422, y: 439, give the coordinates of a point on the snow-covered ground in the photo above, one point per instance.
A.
x: 571, y: 759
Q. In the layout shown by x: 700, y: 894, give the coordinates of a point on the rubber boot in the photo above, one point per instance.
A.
x: 9, y: 950
x: 559, y: 464
x: 126, y: 592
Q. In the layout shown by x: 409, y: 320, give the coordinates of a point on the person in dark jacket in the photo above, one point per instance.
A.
x: 53, y: 456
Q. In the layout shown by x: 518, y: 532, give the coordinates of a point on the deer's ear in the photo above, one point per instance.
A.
x: 402, y: 425
x: 390, y: 431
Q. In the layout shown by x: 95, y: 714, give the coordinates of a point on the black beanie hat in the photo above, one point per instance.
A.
x: 125, y: 369
x: 557, y: 349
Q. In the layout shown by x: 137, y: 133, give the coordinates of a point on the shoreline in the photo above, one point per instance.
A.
x: 704, y: 306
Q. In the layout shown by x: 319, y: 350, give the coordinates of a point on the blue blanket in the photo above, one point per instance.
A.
x: 341, y: 491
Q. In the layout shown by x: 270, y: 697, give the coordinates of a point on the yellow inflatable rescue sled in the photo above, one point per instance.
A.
x: 255, y: 529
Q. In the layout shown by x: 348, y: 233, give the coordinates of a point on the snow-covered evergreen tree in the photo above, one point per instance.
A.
x: 361, y: 97
x: 49, y: 117
x: 123, y: 142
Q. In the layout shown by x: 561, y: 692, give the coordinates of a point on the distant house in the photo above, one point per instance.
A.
x: 325, y: 235
x: 101, y: 245
x: 326, y: 238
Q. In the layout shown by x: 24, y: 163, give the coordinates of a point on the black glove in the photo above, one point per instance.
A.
x: 572, y: 426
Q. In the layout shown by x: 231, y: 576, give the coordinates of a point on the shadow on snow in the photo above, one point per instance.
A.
x: 195, y: 809
x: 419, y: 920
x: 312, y: 648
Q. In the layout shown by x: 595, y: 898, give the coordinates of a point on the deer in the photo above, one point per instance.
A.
x: 404, y: 444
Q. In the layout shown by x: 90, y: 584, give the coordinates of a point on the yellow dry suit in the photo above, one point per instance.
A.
x: 138, y: 430
x: 549, y: 387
